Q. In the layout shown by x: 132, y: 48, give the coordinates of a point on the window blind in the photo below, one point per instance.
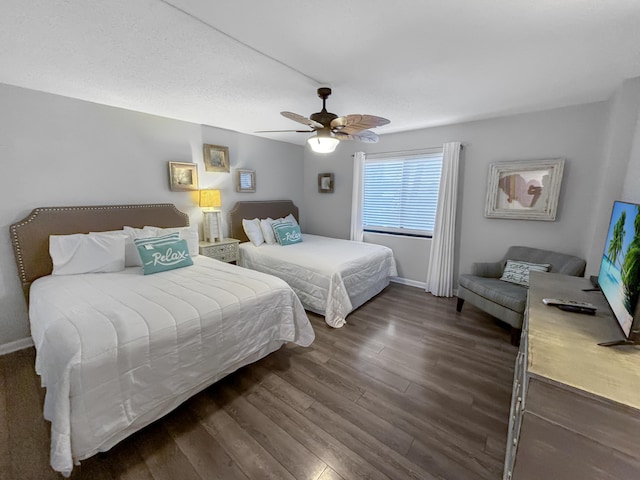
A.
x: 401, y: 194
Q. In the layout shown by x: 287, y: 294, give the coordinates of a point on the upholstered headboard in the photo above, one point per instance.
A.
x: 258, y: 209
x: 30, y: 236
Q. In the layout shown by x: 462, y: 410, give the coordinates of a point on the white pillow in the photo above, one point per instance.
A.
x: 267, y: 231
x: 190, y: 234
x: 290, y: 218
x: 138, y: 232
x: 131, y: 256
x: 87, y: 253
x: 253, y: 231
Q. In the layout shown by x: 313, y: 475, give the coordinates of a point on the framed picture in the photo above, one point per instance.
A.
x: 216, y: 158
x: 245, y: 181
x: 325, y: 182
x: 183, y: 176
x: 527, y: 189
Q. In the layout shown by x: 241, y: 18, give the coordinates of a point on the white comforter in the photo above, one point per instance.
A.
x: 331, y: 276
x: 118, y: 350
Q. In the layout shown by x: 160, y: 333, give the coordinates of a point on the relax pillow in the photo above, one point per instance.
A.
x: 162, y: 240
x: 278, y: 222
x: 253, y: 231
x: 159, y: 254
x: 516, y: 271
x: 189, y: 233
x: 288, y: 219
x: 287, y: 234
x: 86, y: 253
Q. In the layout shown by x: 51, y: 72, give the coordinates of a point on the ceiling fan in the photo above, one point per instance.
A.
x: 330, y: 129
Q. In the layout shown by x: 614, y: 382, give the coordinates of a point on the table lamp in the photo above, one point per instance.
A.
x: 209, y: 201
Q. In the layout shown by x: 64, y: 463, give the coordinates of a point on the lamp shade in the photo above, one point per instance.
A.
x: 210, y: 198
x: 323, y: 144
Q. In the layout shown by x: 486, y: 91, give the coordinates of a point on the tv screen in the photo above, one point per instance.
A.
x: 619, y: 277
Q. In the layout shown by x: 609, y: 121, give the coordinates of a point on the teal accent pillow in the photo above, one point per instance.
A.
x: 160, y: 256
x: 155, y: 240
x: 162, y: 240
x: 287, y: 234
x: 275, y: 224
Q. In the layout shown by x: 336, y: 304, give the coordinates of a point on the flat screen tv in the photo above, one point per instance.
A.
x: 619, y: 276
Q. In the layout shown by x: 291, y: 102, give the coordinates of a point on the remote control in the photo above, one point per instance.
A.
x: 564, y: 301
x: 576, y: 309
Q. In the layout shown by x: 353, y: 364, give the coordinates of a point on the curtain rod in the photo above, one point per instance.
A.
x: 407, y: 152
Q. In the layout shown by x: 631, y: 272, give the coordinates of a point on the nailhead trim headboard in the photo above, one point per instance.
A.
x: 30, y: 236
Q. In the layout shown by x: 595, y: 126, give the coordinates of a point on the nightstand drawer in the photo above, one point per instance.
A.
x: 218, y: 250
x: 229, y: 257
x: 225, y: 250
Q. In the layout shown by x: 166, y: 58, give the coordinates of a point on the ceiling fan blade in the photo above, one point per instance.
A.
x: 277, y: 131
x: 365, y: 136
x: 300, y: 119
x: 355, y: 123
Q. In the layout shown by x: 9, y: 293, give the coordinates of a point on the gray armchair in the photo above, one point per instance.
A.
x: 504, y: 300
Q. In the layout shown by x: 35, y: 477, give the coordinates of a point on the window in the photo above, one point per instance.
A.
x: 401, y: 194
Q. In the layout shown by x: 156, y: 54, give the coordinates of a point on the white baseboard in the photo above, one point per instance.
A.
x: 411, y: 283
x: 414, y: 283
x: 15, y: 346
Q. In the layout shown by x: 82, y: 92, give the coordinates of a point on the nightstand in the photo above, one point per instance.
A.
x: 226, y: 250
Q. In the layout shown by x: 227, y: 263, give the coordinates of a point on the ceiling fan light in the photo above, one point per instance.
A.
x: 323, y: 144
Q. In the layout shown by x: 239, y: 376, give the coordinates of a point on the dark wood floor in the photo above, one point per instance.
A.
x: 407, y: 389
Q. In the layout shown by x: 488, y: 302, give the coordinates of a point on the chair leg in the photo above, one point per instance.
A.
x: 515, y: 336
x: 459, y: 304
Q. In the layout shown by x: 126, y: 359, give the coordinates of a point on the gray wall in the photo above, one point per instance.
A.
x: 575, y: 133
x: 59, y: 151
x: 631, y: 191
x: 616, y: 170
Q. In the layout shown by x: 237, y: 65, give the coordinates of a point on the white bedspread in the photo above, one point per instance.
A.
x: 331, y: 276
x: 118, y: 350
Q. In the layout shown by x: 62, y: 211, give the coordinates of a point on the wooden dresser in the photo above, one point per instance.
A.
x: 575, y: 408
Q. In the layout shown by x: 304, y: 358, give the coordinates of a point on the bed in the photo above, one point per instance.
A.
x: 115, y: 351
x: 332, y: 277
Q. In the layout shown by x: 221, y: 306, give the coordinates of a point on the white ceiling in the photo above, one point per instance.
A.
x: 237, y: 64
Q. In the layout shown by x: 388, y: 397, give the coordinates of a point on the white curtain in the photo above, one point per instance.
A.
x: 357, y: 197
x: 440, y: 271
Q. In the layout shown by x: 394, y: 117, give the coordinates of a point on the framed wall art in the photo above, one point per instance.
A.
x: 216, y: 158
x: 526, y: 189
x: 245, y: 181
x: 183, y: 176
x: 325, y: 182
